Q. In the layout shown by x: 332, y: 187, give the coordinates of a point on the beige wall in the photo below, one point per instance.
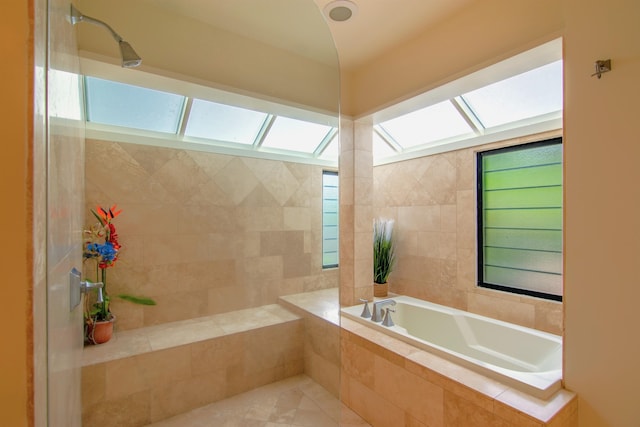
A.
x: 170, y: 43
x: 600, y: 354
x: 601, y: 192
x: 433, y: 202
x: 16, y: 111
x: 206, y: 233
x: 602, y: 207
x: 356, y: 240
x: 485, y: 32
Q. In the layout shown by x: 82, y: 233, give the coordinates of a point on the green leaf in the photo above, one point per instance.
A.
x: 98, y: 217
x: 137, y: 300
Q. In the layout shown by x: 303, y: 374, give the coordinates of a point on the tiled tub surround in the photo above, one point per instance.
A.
x: 153, y: 373
x: 149, y: 374
x: 523, y: 358
x: 206, y: 233
x: 389, y: 382
x: 433, y: 201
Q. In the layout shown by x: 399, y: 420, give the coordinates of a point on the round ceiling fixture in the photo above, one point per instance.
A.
x: 340, y: 10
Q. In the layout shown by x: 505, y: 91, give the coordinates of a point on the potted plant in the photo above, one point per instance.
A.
x: 101, y: 245
x: 383, y: 255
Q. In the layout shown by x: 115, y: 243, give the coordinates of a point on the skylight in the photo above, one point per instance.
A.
x: 120, y: 104
x: 224, y: 122
x: 295, y: 135
x: 280, y: 131
x: 515, y: 97
x: 428, y: 124
x: 526, y: 95
x: 468, y: 111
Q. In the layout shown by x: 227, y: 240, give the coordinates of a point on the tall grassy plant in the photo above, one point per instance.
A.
x: 383, y: 249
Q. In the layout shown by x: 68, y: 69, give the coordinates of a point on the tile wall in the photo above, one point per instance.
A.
x: 206, y: 233
x: 356, y: 240
x: 148, y: 387
x: 433, y: 201
x: 391, y: 383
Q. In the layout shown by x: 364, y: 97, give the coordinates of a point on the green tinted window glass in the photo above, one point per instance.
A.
x: 330, y: 217
x: 520, y: 212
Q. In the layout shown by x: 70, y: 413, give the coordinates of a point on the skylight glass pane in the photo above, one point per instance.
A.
x: 429, y: 124
x: 120, y: 104
x: 295, y: 135
x: 381, y: 148
x: 526, y: 95
x: 223, y: 122
x: 332, y: 151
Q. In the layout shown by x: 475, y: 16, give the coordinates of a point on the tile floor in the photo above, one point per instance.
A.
x: 296, y: 401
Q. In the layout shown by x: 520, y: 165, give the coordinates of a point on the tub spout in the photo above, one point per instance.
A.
x: 376, y: 316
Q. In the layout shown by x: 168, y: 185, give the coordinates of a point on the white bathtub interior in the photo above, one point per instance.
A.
x: 523, y: 358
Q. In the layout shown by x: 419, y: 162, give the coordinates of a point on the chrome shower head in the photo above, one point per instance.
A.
x: 130, y: 58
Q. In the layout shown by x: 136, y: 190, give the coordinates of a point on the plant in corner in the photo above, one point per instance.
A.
x: 101, y: 245
x: 383, y: 255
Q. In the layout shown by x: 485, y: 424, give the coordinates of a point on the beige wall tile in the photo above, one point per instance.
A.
x: 433, y: 201
x: 210, y: 355
x: 419, y: 398
x: 94, y: 384
x: 502, y: 309
x: 195, y: 221
x: 459, y: 412
x: 176, y: 306
x: 357, y: 363
x: 371, y: 407
x: 296, y: 218
x: 133, y: 410
x: 180, y: 396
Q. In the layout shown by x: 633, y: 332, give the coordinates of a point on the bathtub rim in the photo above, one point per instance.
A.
x: 539, y: 385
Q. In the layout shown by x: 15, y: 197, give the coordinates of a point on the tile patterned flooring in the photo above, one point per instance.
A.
x: 295, y: 401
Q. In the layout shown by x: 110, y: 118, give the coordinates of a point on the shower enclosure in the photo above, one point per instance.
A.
x: 267, y: 225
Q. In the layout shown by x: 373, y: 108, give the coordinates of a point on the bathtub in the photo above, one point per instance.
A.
x: 522, y: 358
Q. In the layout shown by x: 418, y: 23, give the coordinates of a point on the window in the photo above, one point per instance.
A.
x: 516, y: 97
x: 221, y: 122
x: 520, y: 219
x: 201, y: 118
x: 119, y: 104
x: 329, y: 219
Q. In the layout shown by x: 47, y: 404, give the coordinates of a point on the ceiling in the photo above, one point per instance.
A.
x: 379, y: 25
x: 376, y: 27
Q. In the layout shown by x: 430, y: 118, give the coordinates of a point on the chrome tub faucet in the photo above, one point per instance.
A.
x: 376, y: 316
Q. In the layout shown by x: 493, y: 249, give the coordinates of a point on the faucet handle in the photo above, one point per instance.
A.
x: 387, y: 318
x: 365, y: 311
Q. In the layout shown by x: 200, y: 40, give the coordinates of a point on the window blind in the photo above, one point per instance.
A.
x: 329, y: 219
x: 520, y: 213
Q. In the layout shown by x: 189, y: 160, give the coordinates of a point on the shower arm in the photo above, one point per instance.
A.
x: 77, y: 16
x: 130, y: 58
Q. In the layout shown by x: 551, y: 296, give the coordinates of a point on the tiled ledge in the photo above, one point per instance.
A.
x: 150, y: 374
x: 323, y: 304
x: 160, y: 337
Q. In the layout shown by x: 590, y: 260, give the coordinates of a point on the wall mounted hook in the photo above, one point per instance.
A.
x: 602, y: 66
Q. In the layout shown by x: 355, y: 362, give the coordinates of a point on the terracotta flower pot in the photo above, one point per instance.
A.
x: 380, y: 289
x: 100, y: 332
